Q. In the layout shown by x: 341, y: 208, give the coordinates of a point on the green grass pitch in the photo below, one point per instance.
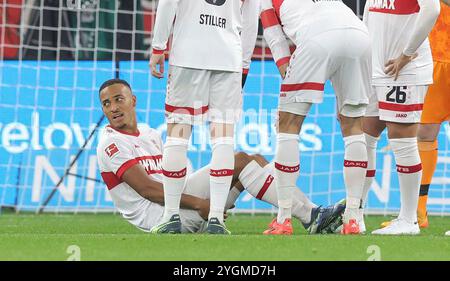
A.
x: 109, y: 237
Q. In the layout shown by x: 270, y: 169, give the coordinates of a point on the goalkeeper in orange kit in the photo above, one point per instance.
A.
x: 436, y: 107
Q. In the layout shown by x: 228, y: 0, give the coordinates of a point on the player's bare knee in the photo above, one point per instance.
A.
x: 402, y: 130
x: 373, y: 126
x: 351, y: 125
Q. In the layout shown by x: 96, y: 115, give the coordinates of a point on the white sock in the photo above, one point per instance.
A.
x: 287, y: 167
x: 259, y: 182
x: 174, y: 174
x: 233, y: 195
x: 221, y: 175
x: 409, y: 168
x: 355, y: 166
x: 371, y: 143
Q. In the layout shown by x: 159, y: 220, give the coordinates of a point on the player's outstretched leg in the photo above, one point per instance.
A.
x: 327, y: 219
x: 256, y: 175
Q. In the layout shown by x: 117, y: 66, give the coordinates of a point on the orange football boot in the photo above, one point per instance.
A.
x: 351, y: 227
x: 276, y: 228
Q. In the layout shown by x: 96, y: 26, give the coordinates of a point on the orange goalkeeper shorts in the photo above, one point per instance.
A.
x: 436, y: 108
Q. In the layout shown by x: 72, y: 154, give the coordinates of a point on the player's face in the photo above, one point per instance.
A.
x: 118, y: 104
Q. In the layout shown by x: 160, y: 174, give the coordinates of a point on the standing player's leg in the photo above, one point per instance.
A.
x: 372, y: 127
x: 174, y: 166
x: 224, y: 110
x: 287, y: 167
x: 221, y: 168
x: 400, y: 107
x: 302, y: 86
x: 185, y: 104
x: 355, y: 168
x: 352, y: 60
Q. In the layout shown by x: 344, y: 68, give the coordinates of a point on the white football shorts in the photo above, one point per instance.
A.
x: 198, y: 95
x: 341, y: 55
x: 400, y: 104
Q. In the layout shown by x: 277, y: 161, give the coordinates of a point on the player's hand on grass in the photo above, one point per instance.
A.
x: 283, y: 69
x: 155, y: 61
x: 394, y: 66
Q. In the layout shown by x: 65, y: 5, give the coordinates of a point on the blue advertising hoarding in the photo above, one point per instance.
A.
x: 48, y: 109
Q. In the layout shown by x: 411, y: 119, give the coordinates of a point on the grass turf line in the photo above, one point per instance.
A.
x: 109, y: 237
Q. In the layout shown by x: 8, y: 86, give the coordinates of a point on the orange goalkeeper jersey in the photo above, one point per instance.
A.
x: 440, y: 36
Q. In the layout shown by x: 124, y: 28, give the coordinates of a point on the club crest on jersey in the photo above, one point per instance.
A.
x: 382, y: 4
x: 111, y: 150
x: 216, y: 2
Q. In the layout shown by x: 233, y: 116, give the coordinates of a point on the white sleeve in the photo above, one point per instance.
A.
x: 165, y: 16
x: 366, y: 14
x: 250, y: 21
x: 117, y: 156
x: 273, y: 33
x: 428, y: 14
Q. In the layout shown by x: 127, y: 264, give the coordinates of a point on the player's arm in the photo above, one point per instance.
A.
x: 250, y: 21
x: 366, y: 14
x: 165, y: 17
x: 137, y: 178
x: 117, y: 156
x: 274, y: 35
x: 428, y: 14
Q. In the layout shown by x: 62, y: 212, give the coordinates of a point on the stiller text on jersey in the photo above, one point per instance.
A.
x: 213, y: 20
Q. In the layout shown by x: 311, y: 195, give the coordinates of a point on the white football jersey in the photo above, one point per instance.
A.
x: 301, y: 19
x: 206, y: 33
x: 118, y: 151
x: 391, y: 24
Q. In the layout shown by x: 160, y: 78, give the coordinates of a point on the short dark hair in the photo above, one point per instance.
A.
x: 112, y: 82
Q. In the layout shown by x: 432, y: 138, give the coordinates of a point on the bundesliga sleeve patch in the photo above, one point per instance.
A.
x: 111, y: 150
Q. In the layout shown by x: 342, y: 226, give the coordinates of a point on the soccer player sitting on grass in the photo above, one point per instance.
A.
x: 130, y: 160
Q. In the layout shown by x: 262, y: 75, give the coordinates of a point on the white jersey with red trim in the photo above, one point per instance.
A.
x: 391, y: 25
x: 301, y: 19
x: 118, y: 151
x: 206, y: 33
